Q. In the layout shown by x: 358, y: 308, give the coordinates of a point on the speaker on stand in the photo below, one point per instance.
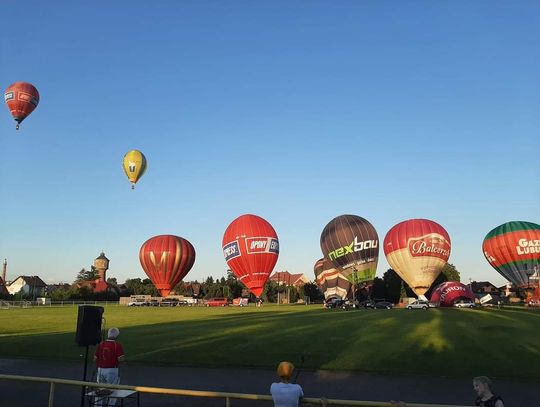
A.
x: 88, y: 333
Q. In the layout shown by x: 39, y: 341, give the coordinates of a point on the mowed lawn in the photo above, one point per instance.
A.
x: 440, y: 342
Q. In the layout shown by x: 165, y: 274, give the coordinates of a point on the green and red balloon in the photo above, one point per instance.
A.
x: 513, y: 249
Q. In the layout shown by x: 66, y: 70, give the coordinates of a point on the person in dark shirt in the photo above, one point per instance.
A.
x: 484, y: 390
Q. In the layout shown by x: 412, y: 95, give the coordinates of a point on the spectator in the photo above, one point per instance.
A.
x: 284, y: 393
x: 484, y: 389
x: 109, y: 354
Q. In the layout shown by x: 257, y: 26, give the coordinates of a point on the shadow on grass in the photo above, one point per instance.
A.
x: 440, y: 342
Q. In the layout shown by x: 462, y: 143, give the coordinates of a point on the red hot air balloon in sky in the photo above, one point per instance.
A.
x: 21, y: 98
x: 251, y: 250
x: 446, y: 294
x: 166, y: 259
x: 417, y: 250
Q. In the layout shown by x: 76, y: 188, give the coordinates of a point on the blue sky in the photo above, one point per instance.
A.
x: 295, y: 111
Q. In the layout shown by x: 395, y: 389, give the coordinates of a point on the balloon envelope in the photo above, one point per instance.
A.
x: 513, y: 249
x: 166, y: 259
x: 251, y: 249
x: 134, y: 164
x: 417, y: 250
x: 330, y: 280
x: 447, y: 293
x: 351, y: 243
x: 21, y: 98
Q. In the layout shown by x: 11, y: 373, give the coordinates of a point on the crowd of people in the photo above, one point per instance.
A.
x: 285, y: 393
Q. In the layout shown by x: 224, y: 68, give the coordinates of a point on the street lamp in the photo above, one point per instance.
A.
x: 278, y: 288
x: 354, y: 286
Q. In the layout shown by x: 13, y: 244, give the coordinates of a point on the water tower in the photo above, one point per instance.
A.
x: 101, y: 264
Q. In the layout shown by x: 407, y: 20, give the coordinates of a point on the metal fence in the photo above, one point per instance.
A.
x: 227, y: 397
x: 4, y: 304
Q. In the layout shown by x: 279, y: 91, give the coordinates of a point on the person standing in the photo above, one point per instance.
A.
x: 484, y: 390
x: 284, y: 393
x: 109, y: 354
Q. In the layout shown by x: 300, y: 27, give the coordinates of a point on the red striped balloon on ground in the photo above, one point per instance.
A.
x: 513, y: 249
x: 447, y: 293
x: 251, y: 249
x: 330, y: 280
x: 351, y: 243
x: 417, y: 250
x: 166, y: 259
x: 21, y: 98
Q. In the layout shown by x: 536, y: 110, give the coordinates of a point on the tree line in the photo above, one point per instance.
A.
x: 390, y: 288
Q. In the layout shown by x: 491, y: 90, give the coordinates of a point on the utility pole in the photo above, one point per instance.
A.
x: 278, y: 303
x: 354, y: 286
x: 289, y: 290
x: 5, y: 271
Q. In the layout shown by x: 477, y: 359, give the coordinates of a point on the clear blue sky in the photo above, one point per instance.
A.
x: 297, y: 111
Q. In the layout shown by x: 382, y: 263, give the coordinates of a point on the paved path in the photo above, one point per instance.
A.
x: 438, y: 390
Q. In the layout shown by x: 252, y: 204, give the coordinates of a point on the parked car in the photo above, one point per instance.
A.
x: 153, y: 303
x: 137, y: 302
x: 384, y: 305
x: 421, y: 304
x: 217, y: 302
x: 336, y: 303
x: 464, y: 304
x: 366, y: 304
x: 169, y: 302
x: 240, y: 302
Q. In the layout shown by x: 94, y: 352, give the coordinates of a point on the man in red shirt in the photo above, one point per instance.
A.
x: 109, y: 354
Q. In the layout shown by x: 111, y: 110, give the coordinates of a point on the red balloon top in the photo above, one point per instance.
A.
x: 21, y: 98
x: 166, y: 259
x: 251, y: 250
x: 421, y: 238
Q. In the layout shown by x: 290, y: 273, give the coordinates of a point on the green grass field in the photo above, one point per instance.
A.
x: 441, y: 342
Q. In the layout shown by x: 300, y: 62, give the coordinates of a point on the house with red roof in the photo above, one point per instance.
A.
x: 286, y: 278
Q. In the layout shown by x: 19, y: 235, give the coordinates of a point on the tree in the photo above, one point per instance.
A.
x: 451, y: 272
x: 87, y: 275
x: 378, y: 290
x: 393, y: 283
x: 312, y: 291
x: 270, y: 291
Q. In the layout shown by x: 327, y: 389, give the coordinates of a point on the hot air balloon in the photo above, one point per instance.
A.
x: 166, y: 259
x: 417, y: 250
x: 513, y: 249
x: 21, y: 98
x: 134, y: 164
x: 351, y: 243
x: 447, y: 293
x: 331, y: 281
x: 251, y: 250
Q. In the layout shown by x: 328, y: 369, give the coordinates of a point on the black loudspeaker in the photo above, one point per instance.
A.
x: 89, y: 325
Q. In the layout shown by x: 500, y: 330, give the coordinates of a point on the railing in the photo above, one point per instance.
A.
x: 36, y: 303
x: 197, y: 393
